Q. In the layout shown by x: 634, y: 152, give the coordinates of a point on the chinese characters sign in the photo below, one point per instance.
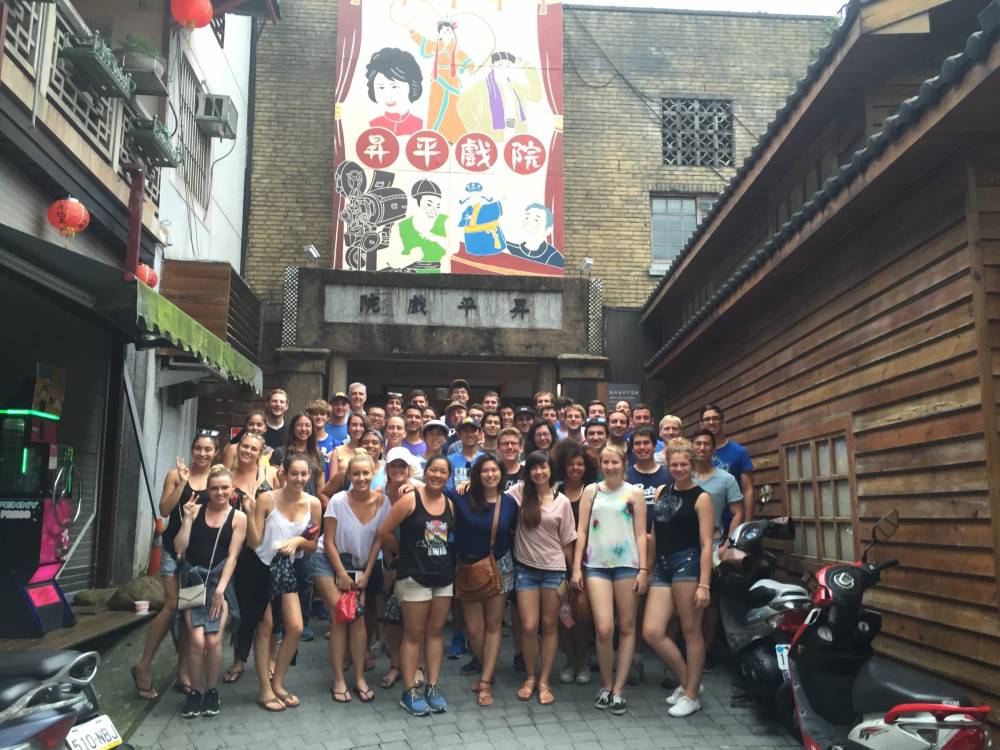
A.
x: 448, y: 144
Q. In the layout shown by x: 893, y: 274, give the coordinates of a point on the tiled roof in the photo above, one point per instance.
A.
x: 952, y: 70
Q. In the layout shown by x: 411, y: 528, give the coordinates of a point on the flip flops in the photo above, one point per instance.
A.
x: 341, y: 696
x: 365, y: 696
x: 387, y: 682
x: 290, y: 701
x: 144, y: 693
x: 274, y: 705
x: 233, y: 675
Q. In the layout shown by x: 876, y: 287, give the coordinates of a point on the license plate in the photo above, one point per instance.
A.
x: 96, y: 734
x: 781, y: 651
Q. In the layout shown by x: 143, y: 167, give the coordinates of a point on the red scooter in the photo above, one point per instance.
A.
x: 847, y: 699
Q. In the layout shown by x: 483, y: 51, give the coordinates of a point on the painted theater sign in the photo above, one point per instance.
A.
x: 448, y: 144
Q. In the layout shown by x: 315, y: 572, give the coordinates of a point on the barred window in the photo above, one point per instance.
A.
x: 697, y: 132
x: 674, y: 218
x: 817, y: 476
x: 197, y: 147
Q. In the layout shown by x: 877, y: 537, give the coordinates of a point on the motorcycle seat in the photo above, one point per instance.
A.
x: 12, y: 689
x: 37, y: 665
x: 882, y: 684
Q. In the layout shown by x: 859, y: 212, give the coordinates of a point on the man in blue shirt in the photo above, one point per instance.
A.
x: 340, y: 406
x: 730, y: 456
x: 470, y: 433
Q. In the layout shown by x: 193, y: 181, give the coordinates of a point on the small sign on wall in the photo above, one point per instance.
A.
x: 622, y: 392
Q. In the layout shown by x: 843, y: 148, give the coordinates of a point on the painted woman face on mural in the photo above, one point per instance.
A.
x: 446, y: 35
x: 393, y: 95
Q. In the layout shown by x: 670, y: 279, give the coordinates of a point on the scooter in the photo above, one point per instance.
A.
x: 47, y: 701
x: 757, y: 612
x: 847, y: 699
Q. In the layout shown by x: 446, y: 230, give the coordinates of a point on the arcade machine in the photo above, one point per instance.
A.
x: 36, y: 512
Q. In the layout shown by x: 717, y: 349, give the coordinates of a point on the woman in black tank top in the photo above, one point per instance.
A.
x: 181, y: 483
x: 425, y: 572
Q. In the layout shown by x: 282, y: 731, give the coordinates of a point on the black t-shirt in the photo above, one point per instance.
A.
x: 276, y: 437
x: 174, y: 519
x: 676, y: 520
x: 425, y: 554
x: 511, y: 479
x: 649, y: 483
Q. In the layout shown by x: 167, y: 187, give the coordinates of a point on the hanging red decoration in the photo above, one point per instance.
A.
x: 193, y: 14
x: 146, y: 275
x: 69, y: 216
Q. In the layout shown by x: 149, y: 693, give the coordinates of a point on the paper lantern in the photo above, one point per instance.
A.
x: 146, y: 275
x: 69, y: 216
x: 193, y: 14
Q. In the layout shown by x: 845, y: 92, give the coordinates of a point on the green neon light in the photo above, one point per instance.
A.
x: 24, y: 461
x: 29, y: 413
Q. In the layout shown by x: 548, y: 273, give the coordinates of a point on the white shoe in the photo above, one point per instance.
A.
x: 684, y: 707
x: 583, y: 677
x: 567, y: 675
x: 678, y: 692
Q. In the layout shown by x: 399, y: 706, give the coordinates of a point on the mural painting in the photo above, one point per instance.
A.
x: 448, y: 142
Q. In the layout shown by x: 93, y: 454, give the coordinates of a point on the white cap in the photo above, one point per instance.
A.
x: 399, y: 453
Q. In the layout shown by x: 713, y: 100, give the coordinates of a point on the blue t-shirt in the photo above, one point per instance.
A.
x: 326, y: 446
x: 649, y: 483
x: 417, y: 449
x: 472, y: 534
x: 735, y: 459
x: 339, y: 432
x: 723, y: 488
x: 460, y: 468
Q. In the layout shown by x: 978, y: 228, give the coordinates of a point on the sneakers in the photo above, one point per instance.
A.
x: 472, y: 666
x: 435, y: 701
x: 602, y: 701
x: 684, y: 707
x: 307, y: 634
x: 458, y: 646
x: 192, y: 705
x: 519, y: 663
x: 210, y: 703
x: 635, y: 671
x: 568, y: 674
x: 583, y: 677
x: 618, y: 705
x: 678, y: 692
x: 413, y: 702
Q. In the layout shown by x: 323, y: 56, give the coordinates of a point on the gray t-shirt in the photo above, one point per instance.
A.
x: 723, y: 488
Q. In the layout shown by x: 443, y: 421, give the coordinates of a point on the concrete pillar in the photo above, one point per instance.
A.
x: 545, y: 377
x: 302, y: 373
x: 336, y: 373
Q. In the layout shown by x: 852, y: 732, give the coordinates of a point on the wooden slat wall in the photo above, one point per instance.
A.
x: 880, y: 331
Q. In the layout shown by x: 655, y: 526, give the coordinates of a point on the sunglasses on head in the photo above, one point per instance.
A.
x: 205, y: 432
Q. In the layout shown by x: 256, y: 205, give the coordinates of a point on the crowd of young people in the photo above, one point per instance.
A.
x: 597, y: 529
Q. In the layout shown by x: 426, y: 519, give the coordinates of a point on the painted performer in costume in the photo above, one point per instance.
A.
x: 420, y: 243
x: 446, y: 87
x: 496, y: 105
x: 395, y: 82
x: 536, y: 246
x: 481, y: 222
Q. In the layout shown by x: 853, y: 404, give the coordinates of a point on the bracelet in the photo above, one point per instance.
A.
x: 704, y: 586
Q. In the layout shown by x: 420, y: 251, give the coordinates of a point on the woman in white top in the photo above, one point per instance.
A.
x: 278, y: 523
x: 346, y: 560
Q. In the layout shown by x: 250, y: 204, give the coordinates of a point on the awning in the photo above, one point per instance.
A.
x: 134, y: 308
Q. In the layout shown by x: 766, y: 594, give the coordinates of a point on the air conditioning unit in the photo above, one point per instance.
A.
x: 216, y: 116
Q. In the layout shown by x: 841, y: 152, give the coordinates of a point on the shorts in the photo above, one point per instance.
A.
x: 407, y: 590
x: 683, y: 566
x: 321, y: 566
x: 531, y: 579
x: 168, y: 565
x: 620, y: 573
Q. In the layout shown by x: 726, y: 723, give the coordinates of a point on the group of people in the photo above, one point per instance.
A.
x: 600, y: 530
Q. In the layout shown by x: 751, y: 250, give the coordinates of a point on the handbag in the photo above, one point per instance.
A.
x: 347, y: 607
x: 480, y: 580
x: 283, y: 578
x: 190, y: 597
x: 580, y: 603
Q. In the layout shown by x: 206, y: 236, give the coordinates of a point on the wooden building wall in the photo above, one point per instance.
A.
x: 877, y: 339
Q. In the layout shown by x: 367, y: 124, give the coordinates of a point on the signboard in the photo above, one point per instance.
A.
x: 622, y: 392
x: 468, y: 308
x: 448, y: 142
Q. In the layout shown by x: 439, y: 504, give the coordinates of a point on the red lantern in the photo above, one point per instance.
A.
x: 69, y: 216
x: 146, y: 275
x: 193, y: 14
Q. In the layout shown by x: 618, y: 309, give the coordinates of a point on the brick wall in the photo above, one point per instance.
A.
x: 612, y: 143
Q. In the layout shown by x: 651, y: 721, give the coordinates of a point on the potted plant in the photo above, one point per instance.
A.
x: 146, y: 64
x: 153, y: 140
x: 95, y: 66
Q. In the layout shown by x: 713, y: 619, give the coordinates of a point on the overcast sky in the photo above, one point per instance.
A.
x: 799, y: 7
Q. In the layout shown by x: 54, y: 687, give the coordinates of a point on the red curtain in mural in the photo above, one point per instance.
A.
x: 551, y: 56
x: 348, y: 46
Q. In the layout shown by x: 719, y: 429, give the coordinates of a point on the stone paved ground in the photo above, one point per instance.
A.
x: 571, y: 722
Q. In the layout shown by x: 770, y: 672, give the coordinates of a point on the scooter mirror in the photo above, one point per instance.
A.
x: 780, y: 528
x: 885, y: 527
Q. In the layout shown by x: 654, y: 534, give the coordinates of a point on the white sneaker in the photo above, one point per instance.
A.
x: 684, y: 707
x: 583, y: 677
x: 567, y: 675
x: 678, y: 692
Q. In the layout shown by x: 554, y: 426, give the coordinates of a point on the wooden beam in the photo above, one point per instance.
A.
x: 916, y: 25
x: 886, y: 13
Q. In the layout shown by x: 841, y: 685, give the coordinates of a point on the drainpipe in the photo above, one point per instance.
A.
x: 255, y: 35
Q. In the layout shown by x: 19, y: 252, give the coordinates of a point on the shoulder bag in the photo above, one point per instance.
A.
x: 191, y: 597
x: 480, y: 580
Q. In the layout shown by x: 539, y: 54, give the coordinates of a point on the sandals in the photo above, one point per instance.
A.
x: 290, y: 701
x: 545, y: 696
x: 144, y: 693
x: 341, y: 696
x: 184, y: 688
x: 365, y: 696
x: 274, y: 705
x: 485, y: 693
x: 526, y: 690
x: 233, y: 675
x: 387, y: 682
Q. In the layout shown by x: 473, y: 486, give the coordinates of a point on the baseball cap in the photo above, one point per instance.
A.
x: 454, y: 405
x: 430, y: 425
x: 459, y: 383
x: 524, y: 410
x: 469, y: 422
x: 399, y: 453
x: 339, y: 395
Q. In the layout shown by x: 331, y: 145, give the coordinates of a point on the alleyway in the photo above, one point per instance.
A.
x: 571, y: 723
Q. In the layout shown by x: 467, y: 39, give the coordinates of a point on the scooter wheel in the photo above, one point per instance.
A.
x: 784, y: 709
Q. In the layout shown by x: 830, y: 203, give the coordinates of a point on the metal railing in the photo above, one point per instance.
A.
x: 35, y: 35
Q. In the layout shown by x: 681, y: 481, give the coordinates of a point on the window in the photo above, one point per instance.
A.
x: 697, y: 132
x: 674, y: 219
x: 819, y: 498
x: 196, y: 165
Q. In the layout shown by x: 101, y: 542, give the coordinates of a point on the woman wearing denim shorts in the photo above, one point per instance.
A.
x: 611, y: 545
x: 681, y: 541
